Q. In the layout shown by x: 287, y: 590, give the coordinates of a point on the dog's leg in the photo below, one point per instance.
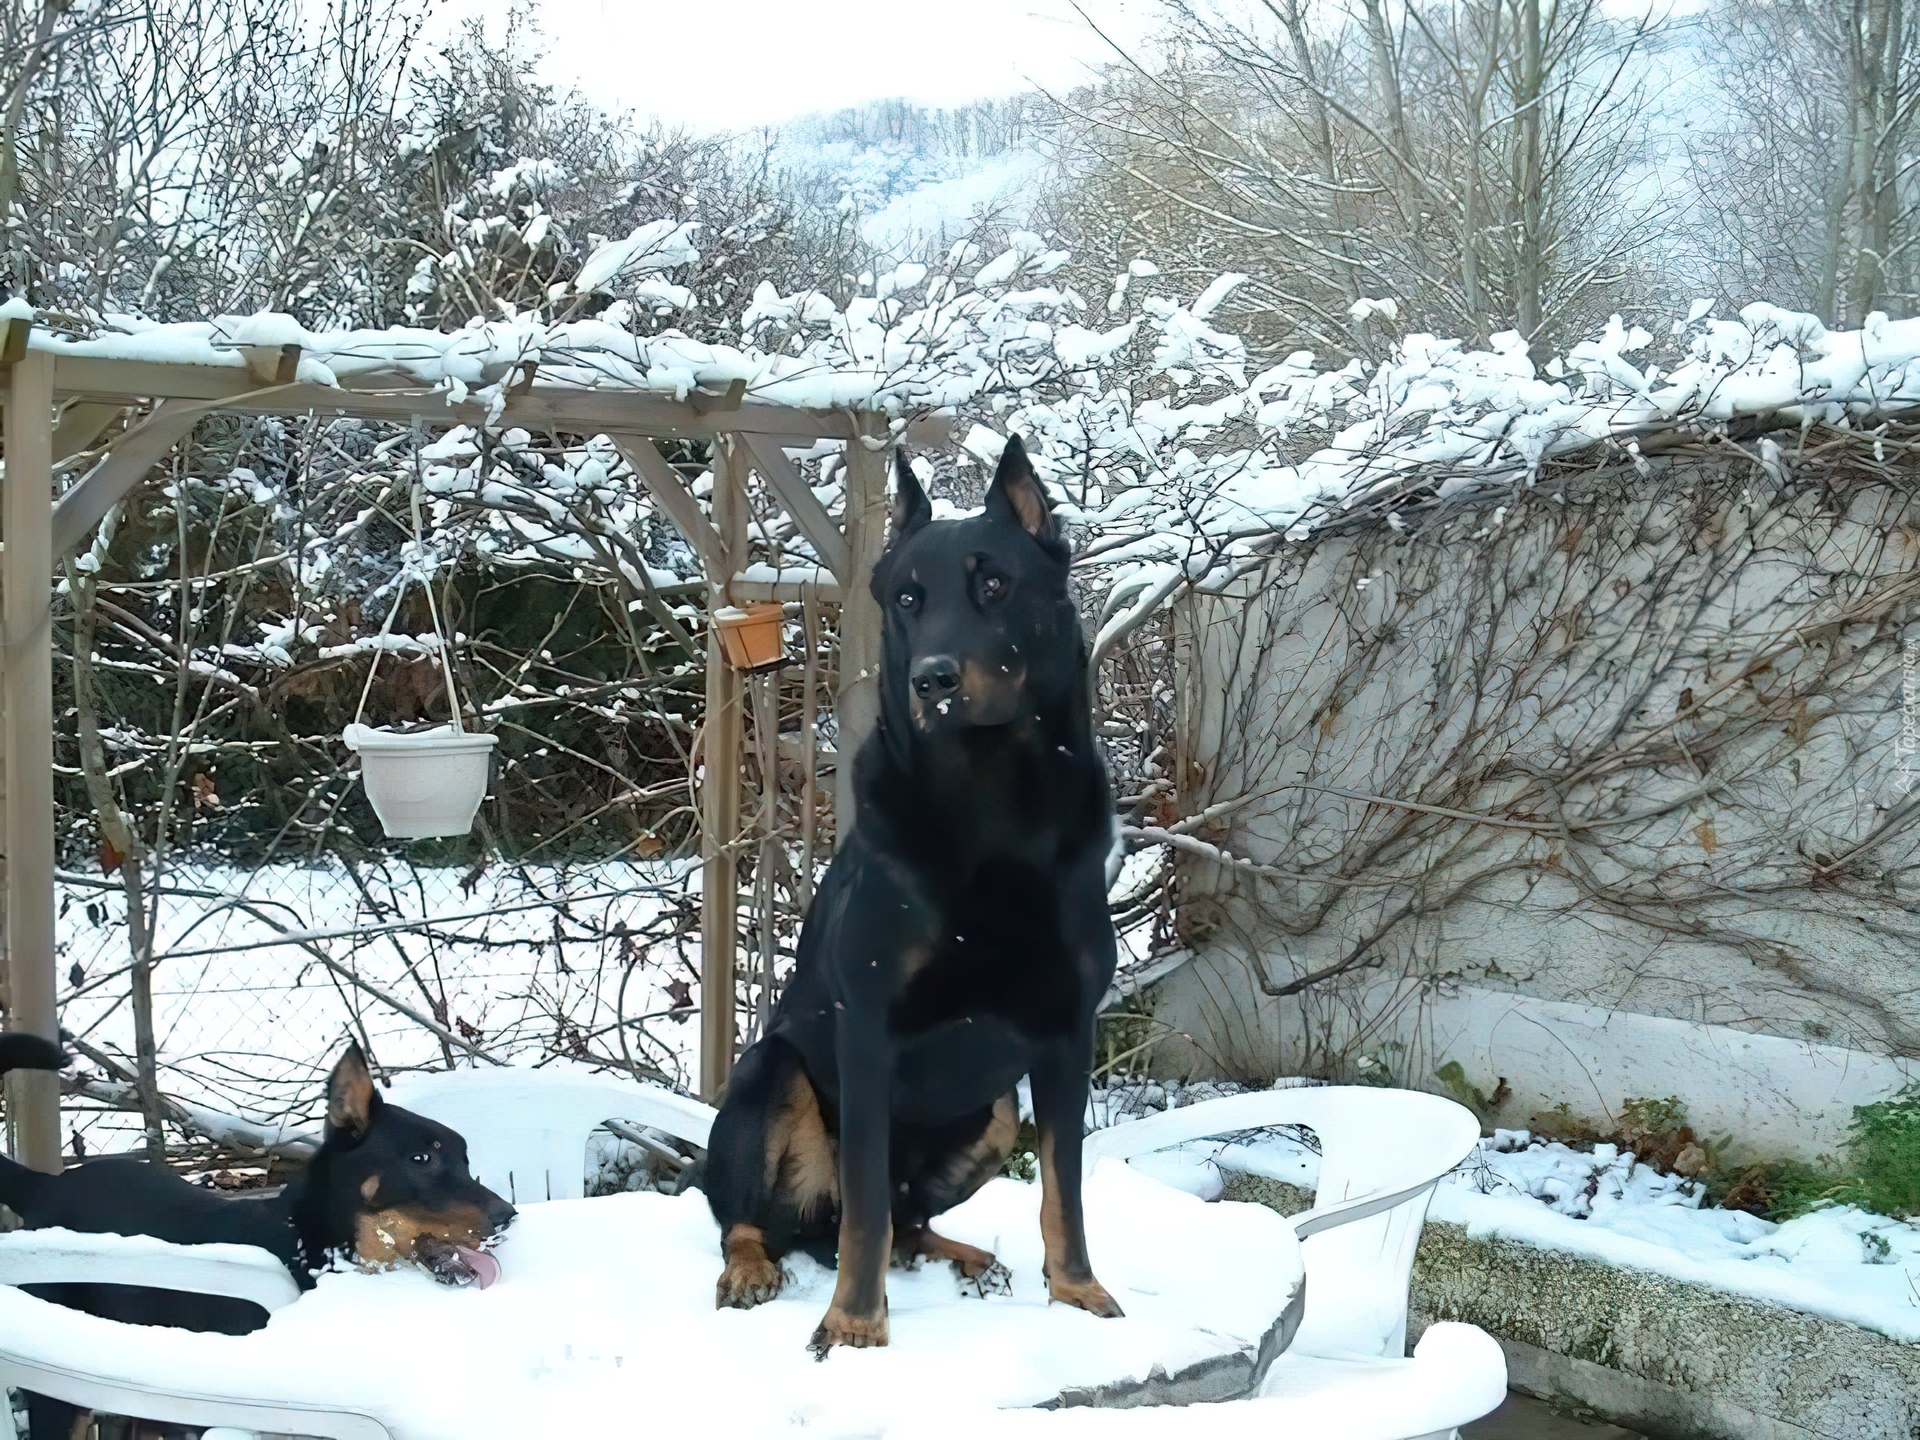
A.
x: 948, y: 1180
x: 979, y: 1268
x: 752, y: 1275
x: 770, y: 1170
x: 858, y: 1314
x: 1060, y: 1078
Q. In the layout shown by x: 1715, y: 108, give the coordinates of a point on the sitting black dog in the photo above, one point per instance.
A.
x: 960, y: 940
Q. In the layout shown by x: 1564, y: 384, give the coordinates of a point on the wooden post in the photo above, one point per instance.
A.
x: 26, y: 591
x: 857, y: 705
x: 720, y: 786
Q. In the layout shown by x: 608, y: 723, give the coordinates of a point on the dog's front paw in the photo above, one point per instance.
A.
x: 1088, y: 1294
x: 840, y: 1328
x: 991, y: 1279
x: 748, y: 1280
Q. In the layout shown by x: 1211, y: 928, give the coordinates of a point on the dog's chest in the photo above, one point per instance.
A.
x: 1001, y: 954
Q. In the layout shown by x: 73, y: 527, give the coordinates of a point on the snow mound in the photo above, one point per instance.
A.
x: 606, y: 1305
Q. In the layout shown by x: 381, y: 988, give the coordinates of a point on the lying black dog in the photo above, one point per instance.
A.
x: 386, y: 1185
x: 960, y: 939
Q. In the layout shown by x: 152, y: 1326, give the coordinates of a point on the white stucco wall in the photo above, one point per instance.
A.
x: 1670, y: 708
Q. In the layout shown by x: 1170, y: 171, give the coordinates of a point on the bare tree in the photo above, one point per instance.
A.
x: 1473, y: 161
x: 1806, y: 183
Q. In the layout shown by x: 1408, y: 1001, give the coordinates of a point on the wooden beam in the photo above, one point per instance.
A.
x: 113, y: 477
x: 671, y: 494
x: 81, y: 425
x: 26, y: 687
x: 721, y: 745
x: 801, y: 503
x: 857, y: 705
x: 573, y: 409
x: 747, y: 586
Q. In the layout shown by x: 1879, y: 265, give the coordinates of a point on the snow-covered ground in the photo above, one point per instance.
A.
x: 604, y: 1310
x: 1605, y: 1205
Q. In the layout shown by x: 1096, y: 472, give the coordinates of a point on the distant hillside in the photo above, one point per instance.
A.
x: 911, y: 173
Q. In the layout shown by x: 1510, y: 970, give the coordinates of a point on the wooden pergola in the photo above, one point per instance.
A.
x: 60, y: 404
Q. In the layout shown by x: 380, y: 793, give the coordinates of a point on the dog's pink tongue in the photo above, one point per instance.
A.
x: 485, y: 1268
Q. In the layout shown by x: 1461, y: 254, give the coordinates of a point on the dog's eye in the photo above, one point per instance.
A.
x: 992, y: 587
x: 906, y: 599
x: 423, y: 1158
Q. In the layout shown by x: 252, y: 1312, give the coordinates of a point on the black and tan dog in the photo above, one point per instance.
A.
x: 386, y: 1185
x: 959, y: 941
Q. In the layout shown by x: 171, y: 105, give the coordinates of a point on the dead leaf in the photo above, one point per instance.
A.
x: 204, y: 795
x: 1686, y: 700
x: 110, y: 859
x: 1709, y: 841
x: 649, y: 845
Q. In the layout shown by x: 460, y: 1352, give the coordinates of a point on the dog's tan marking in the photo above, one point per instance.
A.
x: 369, y: 1187
x: 860, y: 1332
x: 803, y: 1161
x: 971, y: 1166
x: 387, y: 1237
x: 752, y: 1276
x: 970, y: 1260
x: 1062, y: 1284
x: 995, y: 692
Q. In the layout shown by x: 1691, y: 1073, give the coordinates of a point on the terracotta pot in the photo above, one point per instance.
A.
x: 752, y: 638
x: 424, y: 784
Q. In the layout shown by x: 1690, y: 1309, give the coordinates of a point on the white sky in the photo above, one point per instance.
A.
x: 729, y: 64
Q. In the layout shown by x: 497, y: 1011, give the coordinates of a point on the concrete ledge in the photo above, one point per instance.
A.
x: 1669, y: 1358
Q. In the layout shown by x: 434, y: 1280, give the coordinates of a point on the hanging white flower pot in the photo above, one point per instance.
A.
x: 422, y: 784
x: 425, y: 783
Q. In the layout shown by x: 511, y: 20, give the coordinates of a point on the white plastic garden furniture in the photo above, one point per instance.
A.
x: 1381, y: 1154
x: 96, y: 1364
x: 527, y: 1129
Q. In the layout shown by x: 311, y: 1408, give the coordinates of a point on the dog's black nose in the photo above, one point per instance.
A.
x: 935, y: 675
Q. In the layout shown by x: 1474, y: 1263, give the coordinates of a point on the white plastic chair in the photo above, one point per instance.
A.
x: 526, y: 1130
x: 38, y: 1354
x: 1381, y: 1154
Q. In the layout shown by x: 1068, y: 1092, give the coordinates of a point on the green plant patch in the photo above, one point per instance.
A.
x: 1878, y: 1170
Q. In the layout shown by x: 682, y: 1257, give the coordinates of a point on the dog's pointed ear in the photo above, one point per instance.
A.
x: 911, y: 508
x: 1016, y: 492
x: 351, y: 1098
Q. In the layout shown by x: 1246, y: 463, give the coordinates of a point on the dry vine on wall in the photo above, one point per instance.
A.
x: 1620, y: 738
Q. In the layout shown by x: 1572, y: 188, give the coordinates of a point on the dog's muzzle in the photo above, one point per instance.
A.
x: 936, y: 677
x: 945, y: 690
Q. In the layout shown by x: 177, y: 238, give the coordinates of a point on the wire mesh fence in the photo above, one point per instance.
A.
x: 261, y: 975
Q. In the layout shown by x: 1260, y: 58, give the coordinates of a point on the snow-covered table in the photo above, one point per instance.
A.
x: 604, y: 1315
